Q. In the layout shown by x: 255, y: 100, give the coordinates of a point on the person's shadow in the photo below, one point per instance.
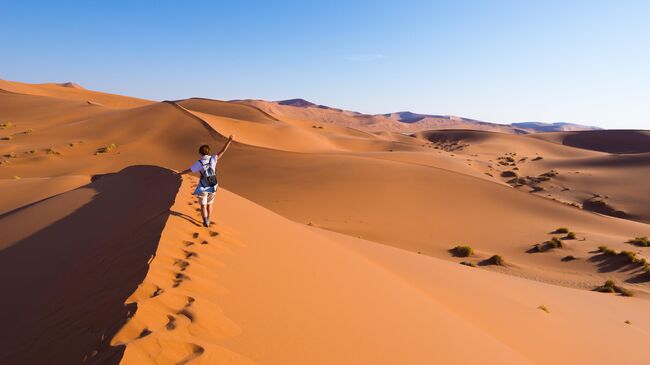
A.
x: 186, y: 217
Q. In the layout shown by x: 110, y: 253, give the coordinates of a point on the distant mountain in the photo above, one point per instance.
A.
x: 554, y: 127
x: 404, y: 121
x: 409, y: 117
x: 296, y: 102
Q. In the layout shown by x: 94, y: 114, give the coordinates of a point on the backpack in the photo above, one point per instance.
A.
x: 208, y: 176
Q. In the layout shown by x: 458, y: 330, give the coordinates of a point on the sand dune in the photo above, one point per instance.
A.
x: 71, y: 261
x: 72, y: 91
x: 611, y: 141
x: 331, y: 244
x: 20, y: 192
x: 405, y: 122
x: 375, y: 305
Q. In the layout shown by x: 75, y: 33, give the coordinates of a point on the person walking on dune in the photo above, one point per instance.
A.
x: 207, y: 187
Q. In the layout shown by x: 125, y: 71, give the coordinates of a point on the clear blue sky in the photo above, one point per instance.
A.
x: 504, y: 61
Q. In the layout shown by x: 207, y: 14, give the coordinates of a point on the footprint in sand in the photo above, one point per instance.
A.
x: 204, y: 242
x: 179, y: 278
x: 195, y: 235
x: 145, y: 332
x: 196, y: 352
x: 189, y: 254
x: 185, y: 312
x: 157, y: 292
x: 214, y: 234
x: 182, y: 264
x: 171, y: 322
x: 188, y: 243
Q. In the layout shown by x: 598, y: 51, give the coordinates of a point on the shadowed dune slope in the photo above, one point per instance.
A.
x: 69, y: 262
x: 611, y: 141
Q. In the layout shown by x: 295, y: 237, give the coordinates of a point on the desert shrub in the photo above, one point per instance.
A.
x: 10, y: 155
x: 555, y: 243
x: 640, y: 241
x: 106, y: 149
x: 467, y: 263
x: 611, y: 287
x: 494, y: 260
x: 606, y: 251
x: 537, y: 158
x: 550, y: 174
x: 544, y: 308
x: 624, y: 292
x: 462, y: 251
x: 608, y: 287
x: 570, y: 236
x: 6, y: 138
x: 631, y: 256
x: 562, y: 230
x: 6, y: 125
x: 569, y: 258
x: 52, y: 151
x: 28, y: 131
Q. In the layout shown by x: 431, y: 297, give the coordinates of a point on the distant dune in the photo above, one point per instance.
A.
x: 404, y: 122
x: 610, y: 141
x: 553, y: 127
x: 334, y: 240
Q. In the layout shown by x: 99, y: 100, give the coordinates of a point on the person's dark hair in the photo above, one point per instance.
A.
x: 204, y: 150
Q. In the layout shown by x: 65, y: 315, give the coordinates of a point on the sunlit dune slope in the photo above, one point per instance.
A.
x: 259, y: 288
x: 72, y: 91
x: 404, y: 122
x: 594, y: 180
x: 20, y: 192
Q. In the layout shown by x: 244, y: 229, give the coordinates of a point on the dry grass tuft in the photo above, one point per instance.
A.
x: 640, y: 241
x: 109, y: 148
x: 462, y: 251
x: 611, y: 287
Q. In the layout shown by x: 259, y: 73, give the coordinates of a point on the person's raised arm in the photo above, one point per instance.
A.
x: 225, y: 146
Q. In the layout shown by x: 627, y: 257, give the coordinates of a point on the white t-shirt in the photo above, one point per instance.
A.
x: 198, y: 166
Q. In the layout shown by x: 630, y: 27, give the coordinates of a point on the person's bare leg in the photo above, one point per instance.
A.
x: 204, y: 211
x: 209, y: 211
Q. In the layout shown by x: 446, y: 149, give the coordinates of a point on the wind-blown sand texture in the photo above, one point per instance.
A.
x: 330, y: 244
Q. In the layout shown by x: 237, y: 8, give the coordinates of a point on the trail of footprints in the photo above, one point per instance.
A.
x: 181, y: 264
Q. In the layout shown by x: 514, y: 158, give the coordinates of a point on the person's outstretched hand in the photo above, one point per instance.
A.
x: 232, y: 136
